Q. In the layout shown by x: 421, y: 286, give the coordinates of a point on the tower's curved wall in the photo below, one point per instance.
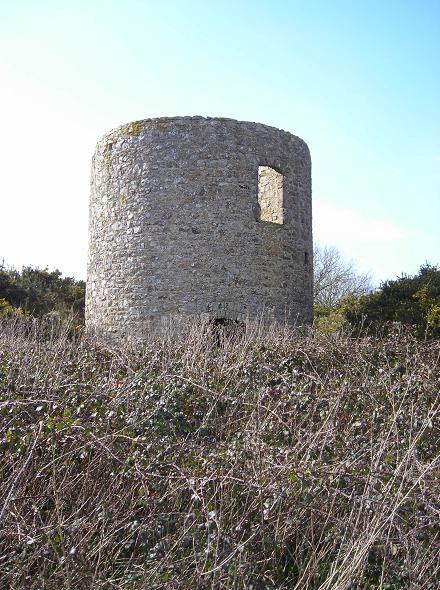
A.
x: 176, y: 228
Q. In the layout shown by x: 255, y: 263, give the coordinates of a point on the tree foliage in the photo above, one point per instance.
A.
x: 38, y: 292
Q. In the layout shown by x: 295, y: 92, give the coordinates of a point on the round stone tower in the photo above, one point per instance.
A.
x: 198, y: 216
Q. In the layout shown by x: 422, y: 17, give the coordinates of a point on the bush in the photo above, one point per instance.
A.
x: 39, y: 292
x: 409, y: 300
x: 5, y: 307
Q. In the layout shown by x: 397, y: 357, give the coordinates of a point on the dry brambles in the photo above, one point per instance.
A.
x: 256, y: 459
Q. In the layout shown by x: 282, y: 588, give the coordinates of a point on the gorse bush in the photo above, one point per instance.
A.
x: 409, y: 300
x: 38, y: 292
x: 258, y: 459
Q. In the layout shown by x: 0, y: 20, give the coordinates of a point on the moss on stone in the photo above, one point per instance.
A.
x: 106, y: 151
x: 136, y: 127
x: 160, y: 124
x: 133, y: 128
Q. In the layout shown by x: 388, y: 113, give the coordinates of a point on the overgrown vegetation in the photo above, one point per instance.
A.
x: 270, y: 461
x: 39, y: 292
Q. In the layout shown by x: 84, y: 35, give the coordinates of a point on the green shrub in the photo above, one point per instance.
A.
x: 39, y: 292
x: 408, y: 300
x: 5, y: 307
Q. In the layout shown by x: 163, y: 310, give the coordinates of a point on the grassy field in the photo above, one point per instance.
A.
x: 260, y: 460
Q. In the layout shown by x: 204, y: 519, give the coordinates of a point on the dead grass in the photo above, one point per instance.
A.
x: 272, y: 461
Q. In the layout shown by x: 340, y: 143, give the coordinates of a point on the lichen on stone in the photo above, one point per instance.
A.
x: 133, y: 128
x: 106, y: 151
x: 160, y: 124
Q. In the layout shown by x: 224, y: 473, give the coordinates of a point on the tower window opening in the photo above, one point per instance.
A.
x: 270, y: 195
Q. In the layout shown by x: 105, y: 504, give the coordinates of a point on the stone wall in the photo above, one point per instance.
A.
x: 176, y: 227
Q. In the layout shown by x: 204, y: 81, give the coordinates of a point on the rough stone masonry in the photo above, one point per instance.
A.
x: 198, y: 216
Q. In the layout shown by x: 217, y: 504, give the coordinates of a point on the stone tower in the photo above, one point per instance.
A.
x: 192, y: 216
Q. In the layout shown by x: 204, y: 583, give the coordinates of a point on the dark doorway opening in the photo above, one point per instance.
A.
x: 225, y: 329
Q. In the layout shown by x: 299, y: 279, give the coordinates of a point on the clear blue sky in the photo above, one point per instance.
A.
x: 358, y: 81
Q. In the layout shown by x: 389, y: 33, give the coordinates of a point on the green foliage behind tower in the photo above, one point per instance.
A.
x: 411, y: 300
x: 38, y: 292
